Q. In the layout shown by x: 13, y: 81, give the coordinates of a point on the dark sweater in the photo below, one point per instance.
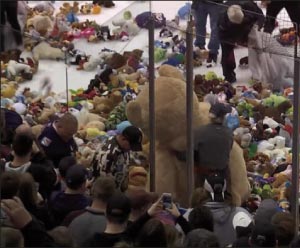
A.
x: 61, y: 204
x: 109, y: 239
x: 35, y: 235
x: 212, y: 145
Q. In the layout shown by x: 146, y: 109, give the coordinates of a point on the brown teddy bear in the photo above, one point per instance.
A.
x: 104, y: 105
x: 170, y: 98
x: 260, y: 111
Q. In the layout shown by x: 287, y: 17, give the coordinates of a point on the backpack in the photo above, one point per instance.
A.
x: 10, y: 120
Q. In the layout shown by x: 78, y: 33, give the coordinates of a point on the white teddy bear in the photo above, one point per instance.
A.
x: 14, y: 68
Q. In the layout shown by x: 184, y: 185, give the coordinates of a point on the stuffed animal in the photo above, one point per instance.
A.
x: 67, y: 8
x: 18, y: 69
x: 125, y: 28
x: 44, y: 51
x: 170, y: 97
x: 27, y: 57
x: 86, y: 9
x: 260, y: 111
x: 9, y: 89
x: 137, y: 177
x: 105, y: 4
x: 41, y: 23
x: 85, y: 155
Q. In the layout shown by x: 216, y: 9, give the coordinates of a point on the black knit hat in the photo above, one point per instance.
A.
x: 220, y: 109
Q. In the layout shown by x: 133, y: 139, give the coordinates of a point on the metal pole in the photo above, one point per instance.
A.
x: 67, y: 81
x: 295, y: 148
x: 189, y: 106
x: 151, y: 103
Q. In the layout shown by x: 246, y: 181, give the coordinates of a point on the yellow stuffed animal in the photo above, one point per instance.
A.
x: 85, y: 156
x: 8, y: 90
x: 96, y: 9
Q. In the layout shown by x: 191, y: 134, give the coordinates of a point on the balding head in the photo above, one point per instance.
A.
x: 24, y: 129
x: 67, y: 126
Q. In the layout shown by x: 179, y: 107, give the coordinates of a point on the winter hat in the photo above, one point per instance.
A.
x: 220, y: 109
x: 235, y: 14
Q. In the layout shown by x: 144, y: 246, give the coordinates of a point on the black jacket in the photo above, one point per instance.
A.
x: 129, y: 235
x: 212, y: 145
x: 231, y: 32
x: 35, y: 235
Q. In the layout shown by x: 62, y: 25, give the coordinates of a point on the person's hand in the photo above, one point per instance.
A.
x: 89, y: 183
x: 16, y: 212
x: 156, y: 207
x: 174, y: 210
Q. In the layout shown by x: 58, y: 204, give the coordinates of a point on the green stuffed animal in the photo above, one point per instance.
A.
x: 159, y: 54
x: 245, y: 109
x: 274, y: 100
x: 116, y: 116
x: 267, y: 192
x: 210, y: 75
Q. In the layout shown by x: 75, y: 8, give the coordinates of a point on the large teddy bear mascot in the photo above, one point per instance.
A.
x: 170, y: 109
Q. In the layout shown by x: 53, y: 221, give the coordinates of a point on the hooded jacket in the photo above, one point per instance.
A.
x: 224, y: 224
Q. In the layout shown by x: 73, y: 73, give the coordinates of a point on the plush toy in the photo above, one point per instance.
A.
x: 86, y: 9
x: 137, y: 177
x: 41, y: 23
x: 274, y: 100
x: 242, y: 136
x: 85, y: 156
x: 104, y: 105
x: 159, y: 54
x: 260, y: 111
x: 125, y: 27
x: 105, y: 4
x: 67, y: 8
x: 8, y: 90
x: 18, y: 69
x: 44, y: 51
x: 170, y: 97
x: 27, y: 57
x: 96, y: 9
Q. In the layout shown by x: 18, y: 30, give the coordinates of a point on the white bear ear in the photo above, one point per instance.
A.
x: 235, y: 14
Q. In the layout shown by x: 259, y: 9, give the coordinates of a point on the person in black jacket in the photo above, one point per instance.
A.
x: 211, y: 139
x: 235, y: 23
x: 273, y: 9
x: 57, y: 140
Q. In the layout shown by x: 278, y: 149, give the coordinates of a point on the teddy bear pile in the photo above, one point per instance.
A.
x: 262, y: 124
x: 260, y: 161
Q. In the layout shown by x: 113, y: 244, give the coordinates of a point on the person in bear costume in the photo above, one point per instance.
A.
x: 170, y: 114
